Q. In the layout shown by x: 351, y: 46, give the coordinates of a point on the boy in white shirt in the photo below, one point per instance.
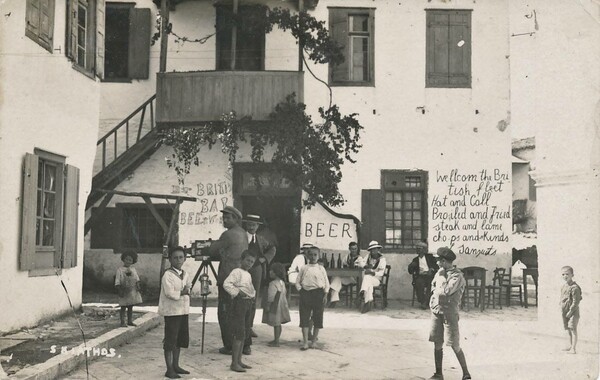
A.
x: 174, y: 305
x: 239, y: 286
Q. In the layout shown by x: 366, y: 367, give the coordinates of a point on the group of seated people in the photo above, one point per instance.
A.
x: 373, y: 264
x: 422, y: 268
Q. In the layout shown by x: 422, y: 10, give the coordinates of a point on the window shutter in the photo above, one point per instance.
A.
x: 47, y: 21
x: 437, y: 49
x: 72, y: 30
x: 70, y: 227
x: 139, y: 43
x: 373, y: 217
x: 32, y: 17
x: 28, y: 216
x: 459, y: 61
x: 100, y: 17
x: 338, y: 26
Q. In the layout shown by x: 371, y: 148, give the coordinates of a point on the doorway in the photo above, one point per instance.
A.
x: 259, y: 190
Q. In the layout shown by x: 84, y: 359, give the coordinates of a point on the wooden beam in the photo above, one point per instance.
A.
x: 150, y: 195
x: 164, y: 36
x: 165, y: 255
x: 234, y: 35
x: 96, y: 215
x: 154, y: 212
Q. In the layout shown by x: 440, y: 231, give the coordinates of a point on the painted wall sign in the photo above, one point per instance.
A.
x: 326, y: 229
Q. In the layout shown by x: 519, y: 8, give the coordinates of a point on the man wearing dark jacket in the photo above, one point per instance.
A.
x: 423, y: 267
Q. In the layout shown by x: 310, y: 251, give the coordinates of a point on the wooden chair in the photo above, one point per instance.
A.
x: 474, y: 290
x: 291, y: 288
x: 495, y: 289
x: 513, y: 291
x: 381, y: 290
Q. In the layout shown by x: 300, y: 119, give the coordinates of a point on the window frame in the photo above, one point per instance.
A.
x: 402, y: 188
x: 452, y: 49
x: 126, y: 78
x: 123, y: 207
x: 347, y: 47
x: 90, y: 65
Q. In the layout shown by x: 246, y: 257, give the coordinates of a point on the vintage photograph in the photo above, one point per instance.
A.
x: 300, y: 189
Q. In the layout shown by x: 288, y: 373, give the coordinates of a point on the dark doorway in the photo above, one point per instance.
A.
x: 258, y: 189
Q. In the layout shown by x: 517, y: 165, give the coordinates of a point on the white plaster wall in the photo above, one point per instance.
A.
x: 564, y: 58
x: 46, y: 104
x: 460, y: 129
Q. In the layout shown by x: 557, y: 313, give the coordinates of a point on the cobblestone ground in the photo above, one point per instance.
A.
x: 377, y: 345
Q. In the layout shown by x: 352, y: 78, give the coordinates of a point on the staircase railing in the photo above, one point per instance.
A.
x: 118, y: 130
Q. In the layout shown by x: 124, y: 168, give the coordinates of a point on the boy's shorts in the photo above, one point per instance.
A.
x: 445, y: 324
x: 311, y: 302
x: 571, y: 323
x: 240, y: 317
x: 177, y: 333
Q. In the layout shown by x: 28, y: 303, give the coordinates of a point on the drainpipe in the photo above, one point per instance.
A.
x: 300, y: 44
x: 234, y: 34
x: 164, y: 36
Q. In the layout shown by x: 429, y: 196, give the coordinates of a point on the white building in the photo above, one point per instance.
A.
x: 49, y: 110
x: 429, y: 80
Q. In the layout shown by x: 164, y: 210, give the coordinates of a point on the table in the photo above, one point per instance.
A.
x: 533, y: 272
x: 347, y: 272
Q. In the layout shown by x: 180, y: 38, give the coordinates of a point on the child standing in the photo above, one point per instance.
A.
x: 276, y: 311
x: 570, y: 296
x: 313, y: 285
x: 446, y: 292
x: 174, y: 305
x: 239, y: 286
x: 127, y: 282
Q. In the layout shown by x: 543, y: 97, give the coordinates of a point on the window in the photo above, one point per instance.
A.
x: 448, y: 48
x: 49, y: 213
x: 130, y: 226
x: 85, y: 36
x: 127, y: 45
x: 39, y: 19
x: 249, y: 43
x: 396, y: 214
x: 353, y: 28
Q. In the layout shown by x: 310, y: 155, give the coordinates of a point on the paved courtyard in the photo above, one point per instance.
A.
x: 377, y: 345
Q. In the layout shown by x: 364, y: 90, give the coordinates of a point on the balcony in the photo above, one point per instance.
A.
x: 189, y: 98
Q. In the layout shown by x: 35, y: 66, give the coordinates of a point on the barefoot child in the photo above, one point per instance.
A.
x: 313, y: 285
x: 570, y: 295
x: 174, y: 305
x: 127, y: 282
x: 239, y: 286
x: 277, y: 311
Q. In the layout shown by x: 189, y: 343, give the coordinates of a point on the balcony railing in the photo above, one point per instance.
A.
x: 187, y: 98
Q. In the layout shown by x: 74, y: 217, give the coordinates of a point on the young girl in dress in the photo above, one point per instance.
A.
x: 127, y: 282
x: 276, y: 311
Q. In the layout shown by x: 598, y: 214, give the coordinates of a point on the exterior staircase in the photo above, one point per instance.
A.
x: 120, y: 151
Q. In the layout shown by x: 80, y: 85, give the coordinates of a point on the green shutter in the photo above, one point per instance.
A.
x: 47, y: 21
x: 28, y: 214
x: 99, y: 45
x: 70, y: 225
x: 139, y: 43
x: 437, y: 49
x: 373, y: 217
x: 338, y: 27
x: 459, y: 60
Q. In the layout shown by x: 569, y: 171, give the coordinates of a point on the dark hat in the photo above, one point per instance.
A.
x: 232, y: 210
x: 252, y: 218
x: 445, y: 253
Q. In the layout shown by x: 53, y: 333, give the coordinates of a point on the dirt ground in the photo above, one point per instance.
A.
x: 36, y: 345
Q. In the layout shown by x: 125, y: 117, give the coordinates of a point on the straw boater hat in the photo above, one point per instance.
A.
x: 307, y: 245
x: 252, y: 218
x: 374, y: 244
x: 233, y: 211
